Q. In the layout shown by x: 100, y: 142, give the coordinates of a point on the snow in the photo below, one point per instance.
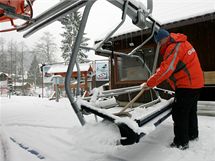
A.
x: 164, y: 11
x: 62, y: 68
x: 19, y: 84
x: 34, y: 129
x: 3, y: 83
x: 181, y: 10
x: 137, y: 114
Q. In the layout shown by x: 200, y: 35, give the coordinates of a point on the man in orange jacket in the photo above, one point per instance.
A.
x: 181, y: 68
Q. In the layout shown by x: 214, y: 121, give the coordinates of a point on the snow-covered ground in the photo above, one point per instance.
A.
x: 34, y: 129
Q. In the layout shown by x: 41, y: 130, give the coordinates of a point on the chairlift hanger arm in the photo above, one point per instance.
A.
x: 13, y: 10
x: 124, y: 9
x: 72, y: 61
x: 137, y: 13
x: 48, y: 18
x: 55, y: 10
x: 141, y: 45
x: 133, y: 8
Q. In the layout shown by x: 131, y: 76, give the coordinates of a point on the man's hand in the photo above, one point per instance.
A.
x: 144, y: 85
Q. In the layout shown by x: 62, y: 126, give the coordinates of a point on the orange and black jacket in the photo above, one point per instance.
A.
x: 180, y: 65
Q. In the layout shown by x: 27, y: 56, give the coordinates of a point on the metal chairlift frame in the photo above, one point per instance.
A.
x: 140, y: 17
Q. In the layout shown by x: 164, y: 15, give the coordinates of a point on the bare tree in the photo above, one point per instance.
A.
x: 4, y: 67
x: 12, y: 53
x: 45, y: 48
x: 21, y: 60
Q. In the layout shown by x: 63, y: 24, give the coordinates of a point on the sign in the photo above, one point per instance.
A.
x: 102, y: 70
x: 3, y: 87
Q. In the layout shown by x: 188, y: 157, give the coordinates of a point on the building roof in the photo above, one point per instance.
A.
x: 3, y: 76
x: 1, y: 73
x: 62, y: 68
x: 189, y: 21
x: 166, y: 11
x: 19, y: 84
x: 173, y: 11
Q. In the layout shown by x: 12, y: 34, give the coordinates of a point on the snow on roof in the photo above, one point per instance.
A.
x: 175, y: 10
x: 138, y: 3
x: 167, y: 11
x: 62, y: 68
x: 19, y: 84
x: 2, y: 73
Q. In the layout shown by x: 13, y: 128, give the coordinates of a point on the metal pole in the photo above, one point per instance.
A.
x: 156, y: 58
x: 141, y: 45
x: 42, y: 81
x: 73, y: 59
x: 155, y: 64
x: 78, y: 79
x: 57, y: 92
x: 22, y: 54
x: 35, y: 79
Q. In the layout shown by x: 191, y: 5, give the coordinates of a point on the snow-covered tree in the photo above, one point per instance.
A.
x: 71, y: 23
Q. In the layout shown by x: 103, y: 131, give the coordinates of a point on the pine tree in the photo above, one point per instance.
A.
x: 71, y: 23
x: 34, y: 72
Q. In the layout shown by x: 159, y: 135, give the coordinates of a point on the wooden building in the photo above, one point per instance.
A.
x: 86, y: 71
x: 200, y: 31
x: 4, y: 83
x: 24, y: 89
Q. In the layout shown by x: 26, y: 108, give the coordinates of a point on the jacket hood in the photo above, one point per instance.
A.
x: 178, y: 37
x: 174, y: 38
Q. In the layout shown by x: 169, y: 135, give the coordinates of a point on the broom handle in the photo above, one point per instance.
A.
x: 133, y: 100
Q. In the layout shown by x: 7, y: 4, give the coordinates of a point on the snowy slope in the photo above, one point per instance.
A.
x: 34, y: 129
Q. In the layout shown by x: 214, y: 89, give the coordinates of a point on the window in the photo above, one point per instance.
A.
x: 130, y: 69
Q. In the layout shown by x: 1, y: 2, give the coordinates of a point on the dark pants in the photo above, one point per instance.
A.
x: 184, y: 114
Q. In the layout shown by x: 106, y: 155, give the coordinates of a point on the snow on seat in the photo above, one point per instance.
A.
x: 142, y: 122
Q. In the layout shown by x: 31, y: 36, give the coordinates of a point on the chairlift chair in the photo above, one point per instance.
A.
x: 11, y: 10
x: 131, y: 129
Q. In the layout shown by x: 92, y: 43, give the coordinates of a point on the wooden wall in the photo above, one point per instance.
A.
x: 200, y: 35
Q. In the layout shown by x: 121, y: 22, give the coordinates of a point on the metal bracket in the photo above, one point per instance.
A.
x: 99, y: 45
x: 73, y: 60
x: 11, y: 12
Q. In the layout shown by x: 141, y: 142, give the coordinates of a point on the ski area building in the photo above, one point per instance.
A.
x: 127, y: 71
x: 86, y: 72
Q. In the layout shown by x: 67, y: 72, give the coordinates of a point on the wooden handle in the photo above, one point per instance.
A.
x: 131, y: 102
